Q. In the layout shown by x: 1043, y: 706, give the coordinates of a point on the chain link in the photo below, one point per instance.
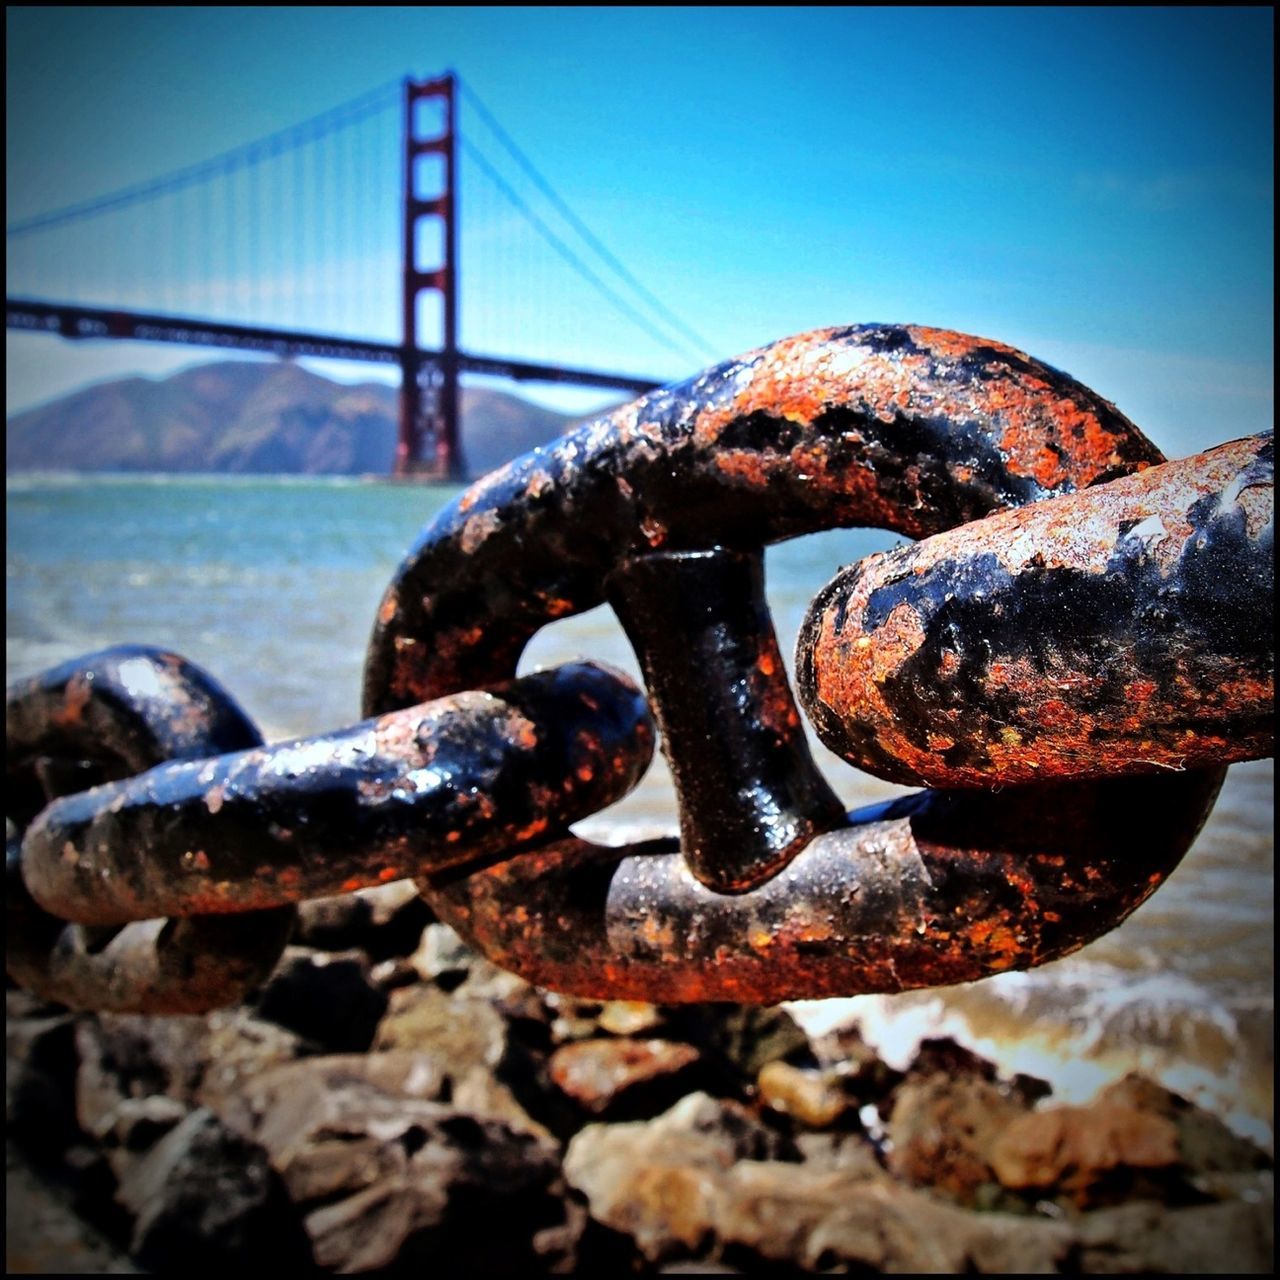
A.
x: 1078, y: 620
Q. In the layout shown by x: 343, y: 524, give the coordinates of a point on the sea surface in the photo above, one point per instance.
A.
x: 272, y: 584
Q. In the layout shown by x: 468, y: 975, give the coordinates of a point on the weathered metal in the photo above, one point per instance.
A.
x: 891, y: 426
x: 750, y: 796
x: 1116, y: 624
x: 408, y: 793
x: 936, y: 888
x: 659, y: 507
x: 1126, y: 628
x: 104, y: 716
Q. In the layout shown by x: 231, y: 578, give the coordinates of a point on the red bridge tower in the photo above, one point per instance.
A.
x: 428, y: 439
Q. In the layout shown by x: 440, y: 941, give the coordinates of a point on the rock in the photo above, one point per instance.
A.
x: 383, y: 921
x: 129, y: 1055
x: 325, y: 997
x: 337, y: 923
x: 238, y: 1046
x: 196, y: 1060
x: 485, y: 981
x: 41, y: 1061
x: 1027, y: 1088
x: 863, y: 1073
x: 942, y: 1132
x: 479, y: 1092
x: 137, y: 1125
x: 321, y: 1084
x: 1252, y: 1188
x: 465, y: 1032
x: 944, y: 1056
x: 684, y: 1186
x: 387, y: 975
x: 44, y: 1236
x: 206, y: 1198
x: 630, y: 1017
x: 383, y: 1176
x: 315, y: 1082
x: 687, y: 1200
x: 1205, y: 1144
x: 624, y: 1077
x: 443, y: 957
x: 841, y: 1150
x: 812, y: 1098
x: 1092, y: 1154
x: 493, y: 1052
x: 573, y: 1018
x: 1216, y: 1239
x: 699, y: 1133
x: 742, y: 1037
x: 1135, y: 1139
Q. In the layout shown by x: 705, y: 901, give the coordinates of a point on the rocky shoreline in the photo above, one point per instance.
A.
x: 390, y: 1101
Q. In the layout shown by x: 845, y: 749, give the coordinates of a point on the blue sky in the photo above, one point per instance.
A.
x: 1092, y: 185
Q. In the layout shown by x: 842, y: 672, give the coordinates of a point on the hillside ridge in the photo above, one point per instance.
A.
x: 256, y: 417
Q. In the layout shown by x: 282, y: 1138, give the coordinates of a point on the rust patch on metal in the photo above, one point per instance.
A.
x: 1124, y: 628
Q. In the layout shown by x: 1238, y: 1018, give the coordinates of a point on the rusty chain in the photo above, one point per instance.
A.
x: 1076, y: 647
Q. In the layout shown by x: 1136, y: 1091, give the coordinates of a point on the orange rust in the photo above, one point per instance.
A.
x: 655, y: 532
x: 75, y: 699
x: 535, y: 828
x: 746, y: 466
x: 946, y: 342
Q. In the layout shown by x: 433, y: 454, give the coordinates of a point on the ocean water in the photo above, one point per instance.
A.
x: 272, y: 584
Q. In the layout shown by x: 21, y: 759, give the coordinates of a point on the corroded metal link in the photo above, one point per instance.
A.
x: 897, y: 427
x: 663, y: 508
x: 119, y: 711
x: 909, y: 429
x: 900, y: 427
x: 1127, y: 628
x: 105, y: 715
x: 414, y: 791
x: 152, y: 966
x: 936, y: 888
x: 750, y: 795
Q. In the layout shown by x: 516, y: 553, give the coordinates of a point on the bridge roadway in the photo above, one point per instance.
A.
x: 76, y: 322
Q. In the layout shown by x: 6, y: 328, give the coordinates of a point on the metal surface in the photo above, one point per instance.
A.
x: 750, y: 796
x: 1116, y: 622
x: 106, y: 716
x: 1127, y: 628
x: 897, y: 427
x: 429, y: 787
x: 936, y: 888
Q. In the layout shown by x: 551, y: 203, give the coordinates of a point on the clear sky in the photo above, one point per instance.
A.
x: 1093, y: 185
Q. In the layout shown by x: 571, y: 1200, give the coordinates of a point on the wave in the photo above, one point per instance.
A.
x: 1080, y: 1025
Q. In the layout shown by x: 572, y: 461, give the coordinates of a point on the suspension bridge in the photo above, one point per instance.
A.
x: 343, y: 238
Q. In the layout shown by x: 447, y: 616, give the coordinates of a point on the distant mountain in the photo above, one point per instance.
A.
x: 246, y: 416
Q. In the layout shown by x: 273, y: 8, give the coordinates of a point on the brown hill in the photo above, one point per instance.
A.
x: 249, y: 416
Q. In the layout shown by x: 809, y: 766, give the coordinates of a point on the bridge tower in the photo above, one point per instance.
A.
x: 428, y: 437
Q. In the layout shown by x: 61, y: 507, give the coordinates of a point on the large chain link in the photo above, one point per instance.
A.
x: 1102, y: 645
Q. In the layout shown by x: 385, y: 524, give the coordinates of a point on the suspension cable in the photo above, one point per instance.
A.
x: 251, y: 153
x: 567, y: 253
x: 582, y: 229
